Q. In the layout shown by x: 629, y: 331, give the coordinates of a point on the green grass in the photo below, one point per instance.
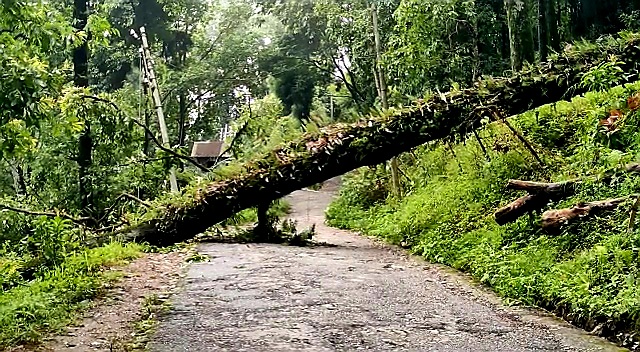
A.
x: 49, y: 302
x: 589, y: 272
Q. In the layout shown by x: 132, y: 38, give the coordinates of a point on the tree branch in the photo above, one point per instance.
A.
x: 149, y: 132
x: 81, y: 221
x: 118, y: 199
x: 168, y: 150
x: 236, y: 137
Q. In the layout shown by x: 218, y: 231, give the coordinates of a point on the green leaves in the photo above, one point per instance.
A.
x: 604, y: 76
x: 432, y: 44
x: 30, y: 34
x: 15, y: 139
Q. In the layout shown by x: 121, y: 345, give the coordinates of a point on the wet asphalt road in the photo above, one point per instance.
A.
x: 356, y: 295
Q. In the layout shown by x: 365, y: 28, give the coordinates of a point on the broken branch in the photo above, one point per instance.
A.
x: 81, y: 221
x: 564, y: 187
x: 168, y: 150
x: 519, y: 207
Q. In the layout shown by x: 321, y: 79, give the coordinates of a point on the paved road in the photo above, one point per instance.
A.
x: 358, y: 295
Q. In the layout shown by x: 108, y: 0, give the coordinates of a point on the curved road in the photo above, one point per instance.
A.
x: 356, y: 295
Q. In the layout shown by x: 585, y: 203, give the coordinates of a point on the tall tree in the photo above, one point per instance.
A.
x: 382, y: 84
x: 543, y: 28
x: 436, y: 43
x: 520, y: 32
x: 81, y: 79
x: 332, y: 39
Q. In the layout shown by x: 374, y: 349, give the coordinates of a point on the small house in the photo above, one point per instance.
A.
x: 207, y: 153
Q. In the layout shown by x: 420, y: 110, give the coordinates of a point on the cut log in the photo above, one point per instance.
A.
x: 341, y: 148
x: 553, y: 219
x: 540, y: 193
x: 635, y: 167
x: 565, y: 187
x: 519, y: 207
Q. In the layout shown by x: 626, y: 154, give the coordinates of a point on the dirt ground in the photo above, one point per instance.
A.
x: 357, y: 294
x: 107, y: 326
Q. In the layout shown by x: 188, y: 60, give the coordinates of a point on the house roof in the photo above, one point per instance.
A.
x: 207, y: 149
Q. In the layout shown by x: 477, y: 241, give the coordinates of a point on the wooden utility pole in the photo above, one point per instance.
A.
x: 147, y: 63
x: 395, y: 177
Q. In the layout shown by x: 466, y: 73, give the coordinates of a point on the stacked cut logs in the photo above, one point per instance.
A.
x: 540, y: 194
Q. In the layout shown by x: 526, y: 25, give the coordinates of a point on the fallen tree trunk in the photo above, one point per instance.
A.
x: 553, y: 219
x: 542, y: 187
x: 541, y: 193
x: 341, y: 148
x: 519, y: 207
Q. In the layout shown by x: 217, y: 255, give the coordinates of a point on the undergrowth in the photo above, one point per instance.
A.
x: 588, y: 272
x: 48, y: 302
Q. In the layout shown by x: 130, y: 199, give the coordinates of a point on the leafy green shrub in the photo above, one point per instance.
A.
x: 366, y: 187
x: 53, y: 239
x: 10, y: 271
x: 604, y: 76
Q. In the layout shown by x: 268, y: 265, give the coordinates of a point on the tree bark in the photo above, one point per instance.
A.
x: 520, y: 32
x: 543, y: 28
x: 540, y: 194
x: 519, y: 207
x: 553, y: 219
x: 340, y: 148
x: 393, y: 164
x: 81, y: 52
x: 543, y: 187
x: 81, y: 79
x: 553, y: 24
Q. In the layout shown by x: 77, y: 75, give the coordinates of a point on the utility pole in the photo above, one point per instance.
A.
x: 331, y: 106
x: 395, y: 179
x: 147, y: 63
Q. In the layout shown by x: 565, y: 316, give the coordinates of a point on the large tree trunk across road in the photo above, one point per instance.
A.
x: 341, y: 148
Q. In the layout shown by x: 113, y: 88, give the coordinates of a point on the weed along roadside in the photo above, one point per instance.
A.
x: 123, y: 293
x: 31, y: 310
x: 585, y: 270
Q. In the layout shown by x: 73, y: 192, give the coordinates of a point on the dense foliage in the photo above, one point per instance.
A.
x: 79, y: 134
